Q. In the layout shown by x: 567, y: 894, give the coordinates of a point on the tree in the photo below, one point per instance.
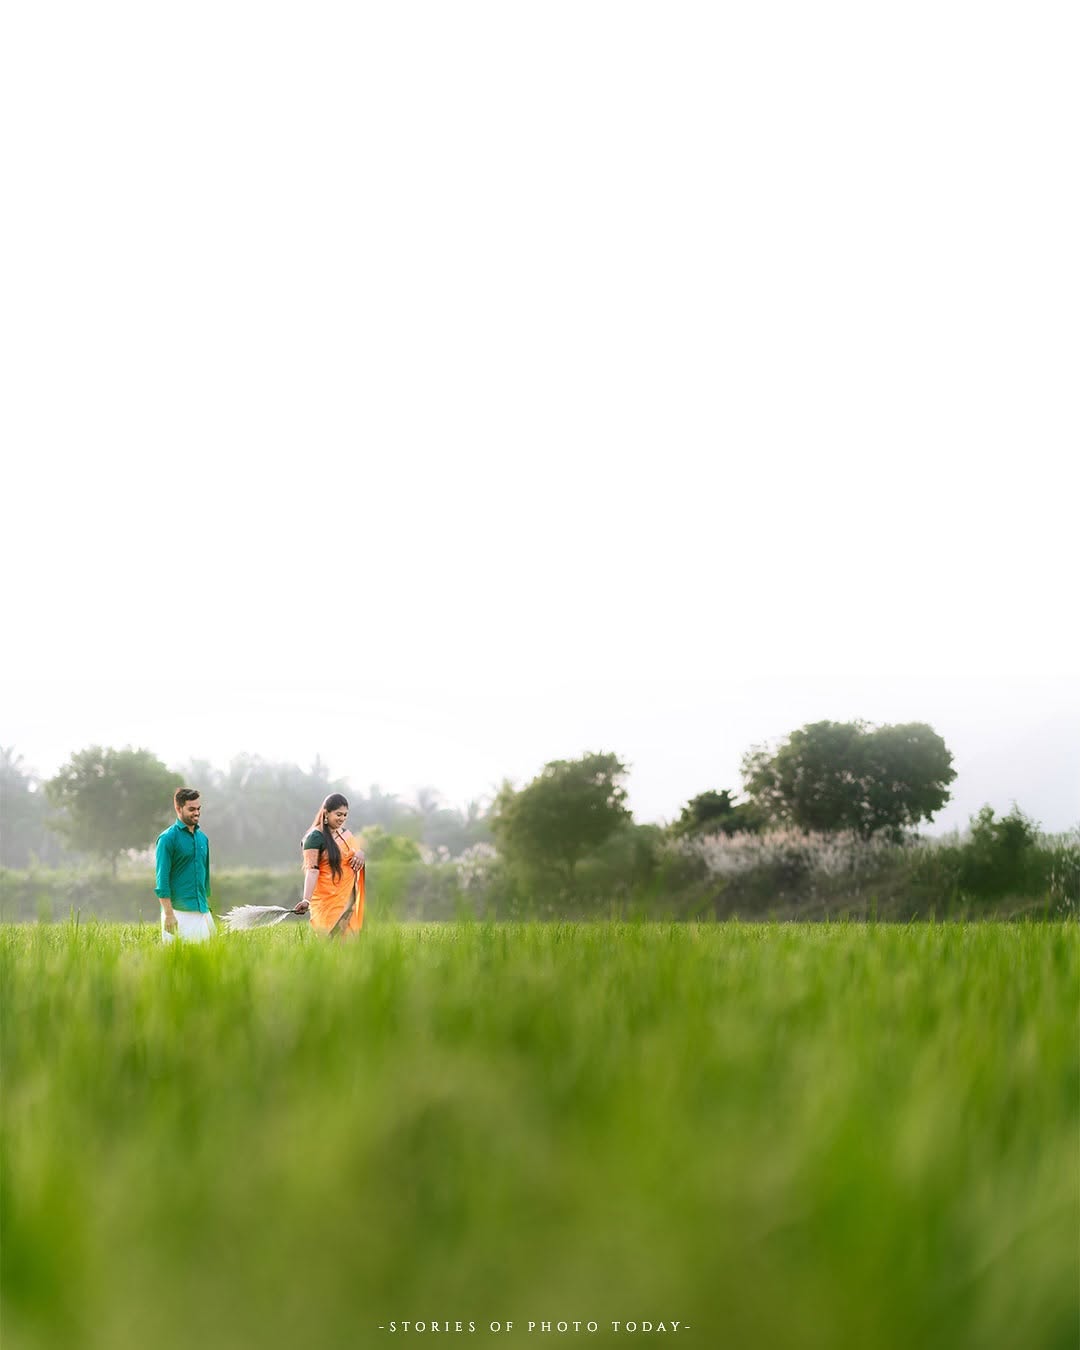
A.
x: 444, y: 827
x: 1000, y: 856
x: 569, y: 810
x: 257, y: 811
x: 24, y: 837
x: 112, y: 800
x: 381, y: 846
x: 387, y: 810
x: 716, y: 813
x: 850, y: 776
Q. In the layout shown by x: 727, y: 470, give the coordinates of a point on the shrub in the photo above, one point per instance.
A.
x: 1003, y: 859
x: 381, y: 846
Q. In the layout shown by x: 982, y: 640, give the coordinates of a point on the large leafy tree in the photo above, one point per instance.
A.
x: 851, y: 776
x: 111, y: 800
x: 571, y: 808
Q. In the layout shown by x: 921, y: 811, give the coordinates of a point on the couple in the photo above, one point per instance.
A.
x: 333, y: 866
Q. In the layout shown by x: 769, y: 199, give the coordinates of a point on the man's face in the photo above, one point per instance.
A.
x: 189, y: 813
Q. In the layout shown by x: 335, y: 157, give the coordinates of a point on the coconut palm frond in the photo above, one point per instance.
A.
x: 257, y: 916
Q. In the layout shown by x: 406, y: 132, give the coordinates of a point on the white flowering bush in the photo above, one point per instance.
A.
x: 433, y: 856
x: 476, y: 867
x: 829, y: 855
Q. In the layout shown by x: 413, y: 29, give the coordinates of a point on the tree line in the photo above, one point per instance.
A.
x: 842, y: 777
x: 827, y: 776
x: 105, y: 802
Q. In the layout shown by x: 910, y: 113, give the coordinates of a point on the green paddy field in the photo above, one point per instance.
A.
x: 823, y: 1136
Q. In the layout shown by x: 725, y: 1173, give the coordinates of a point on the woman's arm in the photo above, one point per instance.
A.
x: 311, y: 876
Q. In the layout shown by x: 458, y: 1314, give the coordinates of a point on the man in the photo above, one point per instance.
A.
x: 183, y: 873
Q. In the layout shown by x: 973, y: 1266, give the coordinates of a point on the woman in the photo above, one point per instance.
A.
x: 333, y: 866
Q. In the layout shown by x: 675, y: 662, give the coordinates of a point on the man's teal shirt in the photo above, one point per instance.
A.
x: 183, y: 868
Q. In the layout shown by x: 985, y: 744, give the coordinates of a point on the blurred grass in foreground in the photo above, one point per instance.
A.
x: 820, y: 1136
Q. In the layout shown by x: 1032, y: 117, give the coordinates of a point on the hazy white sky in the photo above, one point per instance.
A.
x: 446, y: 388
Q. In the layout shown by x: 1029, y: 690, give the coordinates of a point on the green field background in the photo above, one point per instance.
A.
x: 779, y: 1135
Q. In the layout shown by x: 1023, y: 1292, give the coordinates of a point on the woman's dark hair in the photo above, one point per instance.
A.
x: 333, y: 853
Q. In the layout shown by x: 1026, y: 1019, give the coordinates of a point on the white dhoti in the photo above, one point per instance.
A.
x: 191, y: 925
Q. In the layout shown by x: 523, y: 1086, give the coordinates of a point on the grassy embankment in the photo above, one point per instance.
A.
x: 813, y: 1136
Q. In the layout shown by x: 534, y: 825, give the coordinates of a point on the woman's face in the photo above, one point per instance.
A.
x: 337, y: 818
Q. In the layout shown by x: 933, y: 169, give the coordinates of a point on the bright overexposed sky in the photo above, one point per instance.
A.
x: 447, y: 388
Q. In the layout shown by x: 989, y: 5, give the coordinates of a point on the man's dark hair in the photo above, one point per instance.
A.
x: 184, y: 795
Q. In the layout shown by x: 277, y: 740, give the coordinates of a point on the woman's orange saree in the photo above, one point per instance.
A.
x: 330, y: 898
